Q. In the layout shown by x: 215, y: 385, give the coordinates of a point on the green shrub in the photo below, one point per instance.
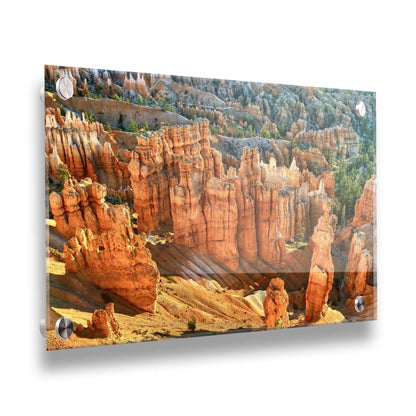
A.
x: 278, y: 324
x: 133, y: 126
x: 170, y: 279
x: 63, y: 174
x: 315, y: 168
x: 191, y: 325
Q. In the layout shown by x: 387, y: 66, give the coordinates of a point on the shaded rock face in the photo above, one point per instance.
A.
x: 117, y: 261
x: 81, y: 204
x: 298, y: 298
x: 359, y: 266
x: 276, y: 303
x: 83, y: 148
x: 321, y: 273
x: 119, y: 113
x: 365, y: 207
x: 103, y: 324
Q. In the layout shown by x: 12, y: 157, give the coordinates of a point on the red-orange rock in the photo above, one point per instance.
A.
x: 186, y: 207
x: 102, y: 325
x: 117, y: 261
x: 321, y: 274
x: 220, y: 213
x: 365, y: 207
x: 246, y: 229
x: 298, y: 298
x: 309, y: 159
x: 339, y: 140
x: 359, y: 266
x: 276, y: 303
x: 156, y: 168
x: 138, y: 85
x: 316, y: 205
x: 83, y: 148
x: 81, y: 204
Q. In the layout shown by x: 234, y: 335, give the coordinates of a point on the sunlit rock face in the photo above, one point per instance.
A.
x: 117, y: 261
x: 81, y: 204
x: 83, y: 148
x: 321, y: 273
x: 103, y: 324
x: 247, y: 211
x: 276, y: 303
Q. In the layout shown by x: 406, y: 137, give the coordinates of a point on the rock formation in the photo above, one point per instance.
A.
x: 339, y: 140
x: 83, y: 148
x: 359, y: 266
x: 103, y: 324
x: 248, y: 211
x: 81, y: 204
x: 310, y: 159
x: 276, y: 303
x: 117, y: 261
x: 365, y: 207
x: 221, y: 215
x: 321, y: 273
x: 137, y: 85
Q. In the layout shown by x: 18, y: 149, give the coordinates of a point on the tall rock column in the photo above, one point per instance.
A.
x: 151, y: 192
x: 245, y: 183
x: 365, y: 207
x: 276, y: 303
x: 271, y: 247
x: 221, y: 217
x: 321, y: 275
x: 188, y: 219
x: 359, y: 266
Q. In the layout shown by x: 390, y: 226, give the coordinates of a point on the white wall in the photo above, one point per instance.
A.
x: 366, y: 367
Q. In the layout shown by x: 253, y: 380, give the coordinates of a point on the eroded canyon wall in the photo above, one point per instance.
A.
x: 81, y: 204
x: 82, y: 148
x: 248, y: 211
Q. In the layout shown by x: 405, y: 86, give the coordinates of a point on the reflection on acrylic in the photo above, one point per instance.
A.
x: 183, y: 206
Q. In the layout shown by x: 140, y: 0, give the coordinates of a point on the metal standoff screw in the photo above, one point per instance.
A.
x: 42, y: 327
x: 64, y: 328
x: 359, y: 304
x: 360, y: 109
x: 64, y: 88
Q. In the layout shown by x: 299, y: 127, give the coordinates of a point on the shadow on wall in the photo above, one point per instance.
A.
x: 156, y: 352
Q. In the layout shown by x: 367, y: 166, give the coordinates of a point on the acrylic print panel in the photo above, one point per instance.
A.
x: 183, y: 206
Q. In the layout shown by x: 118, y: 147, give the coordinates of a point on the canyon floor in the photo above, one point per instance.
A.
x: 180, y: 300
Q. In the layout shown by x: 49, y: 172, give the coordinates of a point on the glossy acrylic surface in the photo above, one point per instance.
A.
x: 183, y: 206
